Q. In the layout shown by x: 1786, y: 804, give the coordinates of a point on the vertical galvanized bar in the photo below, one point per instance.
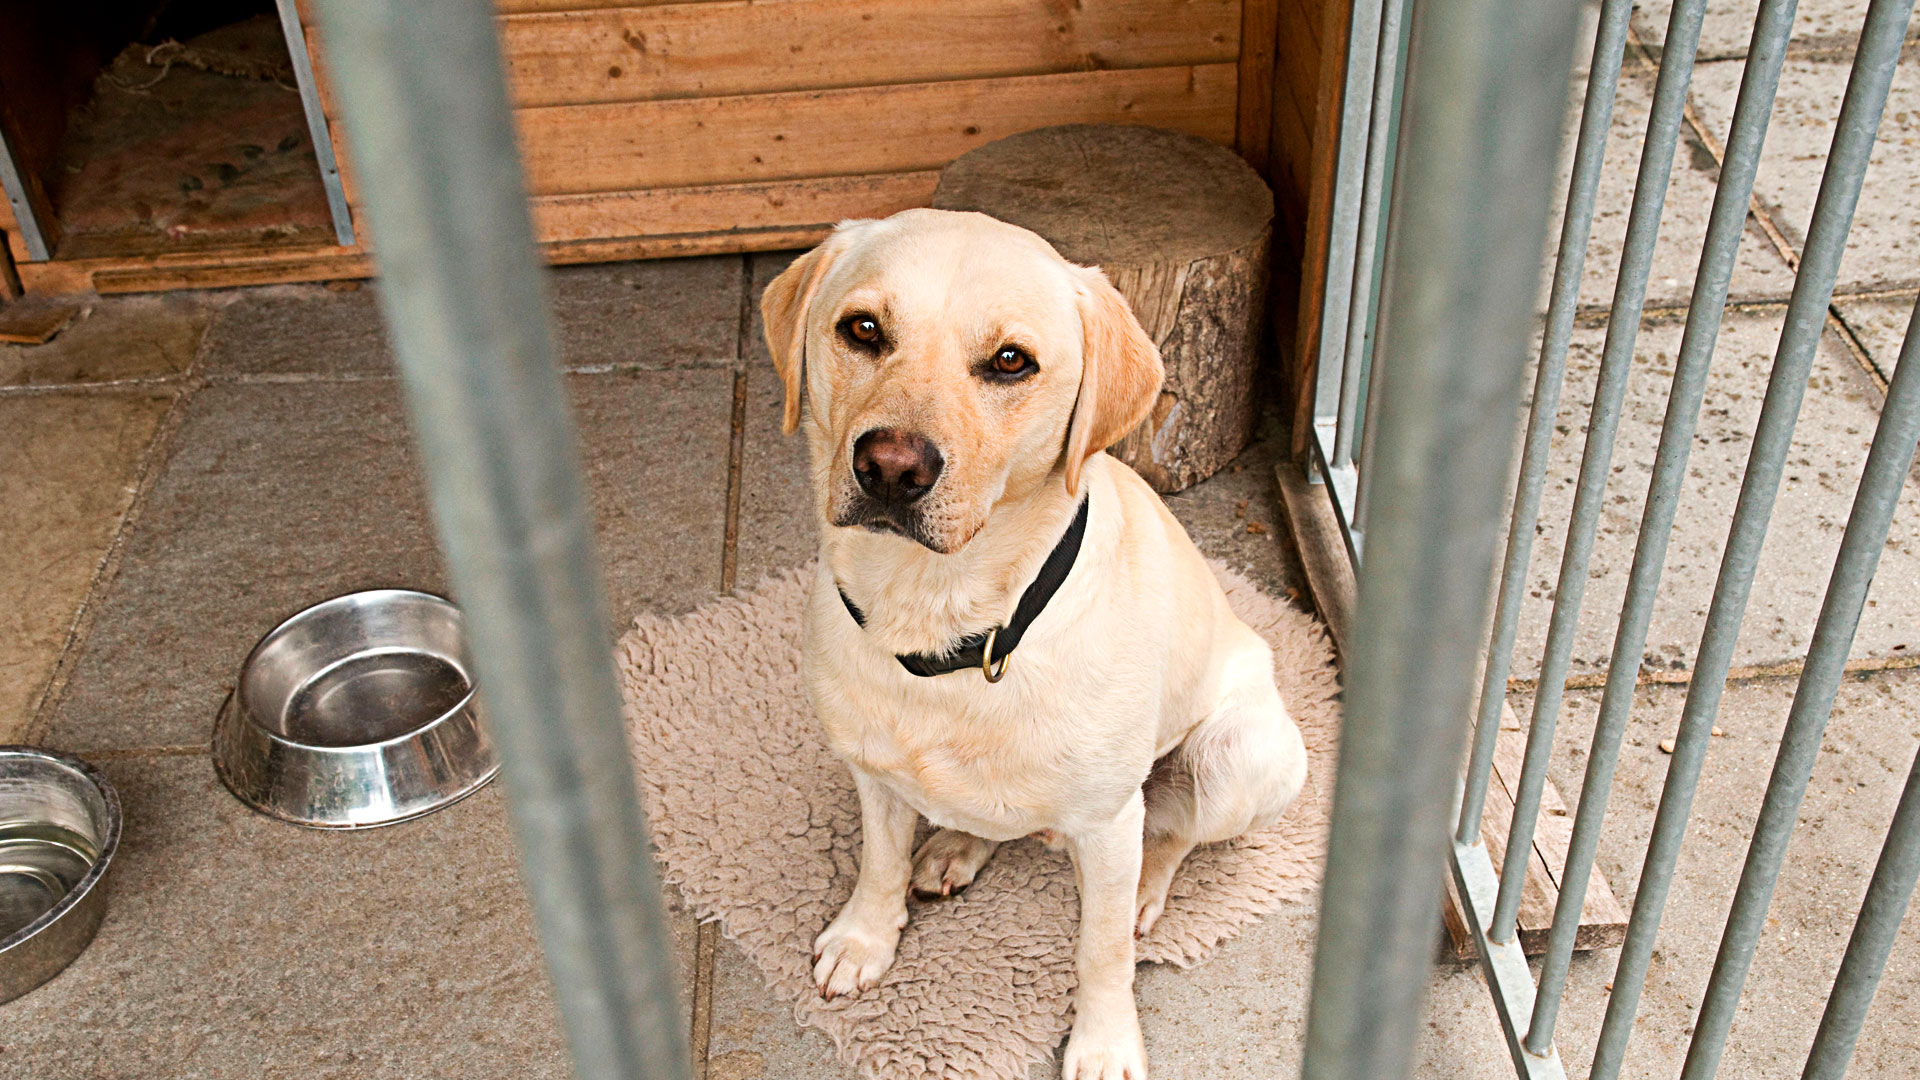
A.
x: 1866, y: 97
x: 1596, y: 119
x: 1725, y: 227
x: 1360, y: 309
x: 1332, y: 401
x: 1486, y: 85
x: 1376, y: 284
x: 316, y: 120
x: 425, y: 101
x: 13, y: 183
x: 1873, y: 936
x: 1603, y: 423
x: 1888, y: 460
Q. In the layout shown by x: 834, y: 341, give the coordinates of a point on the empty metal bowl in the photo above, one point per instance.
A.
x: 59, y: 826
x: 356, y: 712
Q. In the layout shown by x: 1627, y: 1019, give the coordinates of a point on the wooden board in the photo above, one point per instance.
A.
x: 712, y: 50
x: 576, y: 149
x: 1253, y: 129
x: 1319, y: 221
x: 1603, y: 920
x: 219, y: 270
x: 723, y: 208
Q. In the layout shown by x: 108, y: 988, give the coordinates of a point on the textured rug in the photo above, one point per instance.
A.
x: 757, y: 823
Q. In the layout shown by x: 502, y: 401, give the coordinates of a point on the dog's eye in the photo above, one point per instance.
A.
x: 1011, y: 363
x: 861, y: 330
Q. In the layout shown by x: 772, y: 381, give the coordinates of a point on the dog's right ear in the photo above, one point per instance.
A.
x: 783, y: 314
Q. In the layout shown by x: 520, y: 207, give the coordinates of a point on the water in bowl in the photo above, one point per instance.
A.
x: 39, y: 864
x: 373, y: 697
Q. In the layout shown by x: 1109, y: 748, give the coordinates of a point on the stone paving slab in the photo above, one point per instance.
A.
x: 1837, y: 422
x: 1884, y: 248
x: 240, y: 947
x: 1728, y: 26
x: 1882, y: 324
x: 1758, y: 270
x: 1865, y: 758
x: 649, y: 315
x: 755, y: 1036
x: 279, y: 495
x: 68, y: 468
x: 114, y: 338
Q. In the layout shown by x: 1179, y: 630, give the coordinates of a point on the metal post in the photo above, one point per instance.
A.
x: 1360, y: 308
x: 1888, y: 460
x: 1873, y: 936
x: 1334, y: 396
x: 1866, y: 97
x: 1603, y: 423
x: 1725, y: 227
x: 425, y: 102
x: 1486, y: 85
x: 1596, y: 119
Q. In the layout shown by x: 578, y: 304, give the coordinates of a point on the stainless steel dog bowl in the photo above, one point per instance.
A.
x: 354, y: 713
x: 59, y: 826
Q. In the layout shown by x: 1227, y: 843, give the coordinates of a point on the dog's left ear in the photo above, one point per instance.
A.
x: 1120, y: 373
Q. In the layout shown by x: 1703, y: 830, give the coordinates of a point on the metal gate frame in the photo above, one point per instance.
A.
x: 1347, y: 420
x: 1430, y: 296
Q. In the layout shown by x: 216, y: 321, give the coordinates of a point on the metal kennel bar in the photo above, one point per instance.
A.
x: 1528, y: 1009
x: 424, y: 96
x: 1485, y: 90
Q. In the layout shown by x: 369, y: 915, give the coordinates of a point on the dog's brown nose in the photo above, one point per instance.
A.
x: 896, y: 467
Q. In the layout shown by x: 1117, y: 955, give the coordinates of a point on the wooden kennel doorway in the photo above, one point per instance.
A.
x: 156, y: 128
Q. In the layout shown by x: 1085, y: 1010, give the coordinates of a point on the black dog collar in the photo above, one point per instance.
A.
x: 989, y: 650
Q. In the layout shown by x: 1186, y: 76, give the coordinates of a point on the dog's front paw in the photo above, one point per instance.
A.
x: 849, y: 957
x: 1105, y: 1051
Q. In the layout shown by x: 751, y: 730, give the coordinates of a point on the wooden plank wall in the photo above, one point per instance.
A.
x: 652, y: 129
x: 681, y: 118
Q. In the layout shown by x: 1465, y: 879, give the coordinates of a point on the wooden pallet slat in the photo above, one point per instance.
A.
x: 1603, y: 920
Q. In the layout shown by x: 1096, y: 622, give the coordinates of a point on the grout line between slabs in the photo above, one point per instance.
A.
x: 707, y: 947
x: 147, y: 474
x: 1757, y: 210
x: 1786, y: 669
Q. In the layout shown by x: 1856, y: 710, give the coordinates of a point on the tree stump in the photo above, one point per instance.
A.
x: 1182, y: 227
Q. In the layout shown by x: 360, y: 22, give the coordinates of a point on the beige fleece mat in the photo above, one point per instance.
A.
x: 757, y: 823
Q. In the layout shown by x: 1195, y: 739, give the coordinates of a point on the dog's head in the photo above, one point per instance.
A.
x: 951, y: 361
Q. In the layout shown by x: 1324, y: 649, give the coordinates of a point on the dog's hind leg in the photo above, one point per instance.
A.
x: 1236, y: 771
x: 948, y: 862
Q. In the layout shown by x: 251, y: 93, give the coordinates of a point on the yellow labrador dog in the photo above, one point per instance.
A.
x: 1010, y: 634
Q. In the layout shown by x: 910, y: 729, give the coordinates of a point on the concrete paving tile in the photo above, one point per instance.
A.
x: 1728, y: 26
x: 1235, y: 516
x: 279, y: 495
x: 660, y: 314
x: 1884, y: 248
x: 778, y: 525
x: 115, y: 337
x: 1829, y: 449
x: 1865, y: 758
x: 67, y: 474
x: 1882, y: 324
x: 755, y: 1036
x: 237, y: 946
x: 1758, y: 271
x: 299, y: 329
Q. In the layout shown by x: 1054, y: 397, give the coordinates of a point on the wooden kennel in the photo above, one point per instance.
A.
x: 654, y: 129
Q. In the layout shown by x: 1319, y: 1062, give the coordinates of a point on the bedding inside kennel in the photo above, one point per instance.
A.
x: 652, y: 129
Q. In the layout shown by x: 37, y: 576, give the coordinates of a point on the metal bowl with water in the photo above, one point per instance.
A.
x: 59, y: 828
x: 356, y: 712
